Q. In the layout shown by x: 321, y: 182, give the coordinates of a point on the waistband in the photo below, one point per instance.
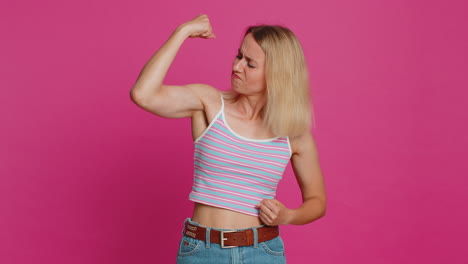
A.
x: 229, y: 238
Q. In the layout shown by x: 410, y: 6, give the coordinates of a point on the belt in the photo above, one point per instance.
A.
x: 232, y: 238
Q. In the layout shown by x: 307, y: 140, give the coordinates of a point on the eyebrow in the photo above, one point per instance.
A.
x: 246, y: 56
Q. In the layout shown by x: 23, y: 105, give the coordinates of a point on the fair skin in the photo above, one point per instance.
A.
x: 201, y: 102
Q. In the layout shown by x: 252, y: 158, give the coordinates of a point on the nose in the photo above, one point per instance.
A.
x: 239, y: 65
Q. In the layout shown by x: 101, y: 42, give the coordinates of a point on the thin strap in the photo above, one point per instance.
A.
x: 222, y: 101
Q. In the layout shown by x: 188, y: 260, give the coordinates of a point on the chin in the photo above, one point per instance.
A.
x: 237, y: 90
x: 234, y: 87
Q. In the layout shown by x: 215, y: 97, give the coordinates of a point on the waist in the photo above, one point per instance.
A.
x: 228, y: 238
x: 216, y: 217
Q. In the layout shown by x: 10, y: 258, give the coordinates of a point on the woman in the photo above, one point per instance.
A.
x: 244, y: 138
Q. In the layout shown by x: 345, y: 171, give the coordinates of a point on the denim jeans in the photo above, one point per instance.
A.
x: 194, y: 251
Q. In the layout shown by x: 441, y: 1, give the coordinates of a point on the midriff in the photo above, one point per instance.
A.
x: 216, y: 217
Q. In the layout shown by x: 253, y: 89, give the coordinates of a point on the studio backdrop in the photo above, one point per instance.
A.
x: 87, y: 176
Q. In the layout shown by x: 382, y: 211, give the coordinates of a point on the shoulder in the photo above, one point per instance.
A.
x: 304, y: 142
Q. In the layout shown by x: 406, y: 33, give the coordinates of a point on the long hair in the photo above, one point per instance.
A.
x: 288, y: 110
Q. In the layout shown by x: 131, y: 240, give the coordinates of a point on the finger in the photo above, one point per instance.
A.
x: 265, y: 219
x: 209, y: 31
x: 207, y: 34
x: 260, y: 203
x: 268, y: 221
x: 271, y: 206
x: 266, y: 216
x: 270, y: 215
x: 265, y: 208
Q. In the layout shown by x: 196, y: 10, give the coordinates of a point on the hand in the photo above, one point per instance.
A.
x: 199, y: 27
x: 273, y: 213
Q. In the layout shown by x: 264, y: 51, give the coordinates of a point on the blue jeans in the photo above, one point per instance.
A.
x: 194, y: 251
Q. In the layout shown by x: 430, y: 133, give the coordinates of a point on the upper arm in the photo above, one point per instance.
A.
x: 177, y: 101
x: 306, y: 167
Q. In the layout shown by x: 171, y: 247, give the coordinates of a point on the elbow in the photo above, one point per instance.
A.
x: 321, y: 206
x: 323, y: 203
x: 133, y: 96
x: 324, y: 211
x: 136, y: 97
x: 140, y: 94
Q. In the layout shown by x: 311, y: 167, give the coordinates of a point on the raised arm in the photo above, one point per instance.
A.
x: 171, y: 101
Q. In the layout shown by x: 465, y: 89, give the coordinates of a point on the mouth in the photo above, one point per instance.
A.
x: 235, y: 76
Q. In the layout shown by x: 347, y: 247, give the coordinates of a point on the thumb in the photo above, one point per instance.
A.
x: 208, y: 35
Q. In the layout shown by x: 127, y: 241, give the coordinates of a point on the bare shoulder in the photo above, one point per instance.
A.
x: 303, y: 143
x: 210, y: 98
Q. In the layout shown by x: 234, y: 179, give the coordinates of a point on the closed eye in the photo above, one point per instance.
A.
x: 248, y: 64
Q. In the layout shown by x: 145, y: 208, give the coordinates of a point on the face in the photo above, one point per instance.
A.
x: 249, y: 66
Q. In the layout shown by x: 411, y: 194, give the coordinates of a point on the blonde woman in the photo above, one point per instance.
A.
x: 244, y: 138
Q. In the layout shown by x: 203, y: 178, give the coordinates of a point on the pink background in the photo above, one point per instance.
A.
x: 89, y: 177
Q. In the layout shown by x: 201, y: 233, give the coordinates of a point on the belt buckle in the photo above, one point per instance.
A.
x: 223, y: 238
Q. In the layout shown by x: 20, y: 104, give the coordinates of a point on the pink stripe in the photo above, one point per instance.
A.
x: 224, y: 175
x: 225, y: 200
x: 206, y: 187
x: 222, y: 206
x: 242, y: 164
x: 211, y: 147
x: 203, y: 178
x: 236, y: 170
x: 224, y: 143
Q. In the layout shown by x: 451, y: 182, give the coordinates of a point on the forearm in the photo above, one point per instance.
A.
x: 309, y: 211
x: 152, y: 75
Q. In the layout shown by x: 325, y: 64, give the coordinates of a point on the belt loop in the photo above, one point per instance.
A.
x: 207, y: 239
x: 255, y: 233
x: 185, y: 224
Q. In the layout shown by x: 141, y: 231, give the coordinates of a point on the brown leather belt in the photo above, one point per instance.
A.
x: 234, y: 238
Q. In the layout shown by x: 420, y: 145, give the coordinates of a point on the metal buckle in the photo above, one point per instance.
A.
x: 223, y: 238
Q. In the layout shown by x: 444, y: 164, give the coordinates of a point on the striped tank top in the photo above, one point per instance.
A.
x: 235, y: 172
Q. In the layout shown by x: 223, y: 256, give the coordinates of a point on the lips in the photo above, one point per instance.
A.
x: 235, y: 76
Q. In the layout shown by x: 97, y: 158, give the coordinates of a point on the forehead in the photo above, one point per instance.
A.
x: 251, y: 48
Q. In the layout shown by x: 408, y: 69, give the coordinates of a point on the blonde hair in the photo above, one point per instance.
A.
x: 288, y: 110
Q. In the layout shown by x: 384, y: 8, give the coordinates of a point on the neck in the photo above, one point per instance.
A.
x: 251, y: 106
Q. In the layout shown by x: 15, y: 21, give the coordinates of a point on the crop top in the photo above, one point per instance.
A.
x: 235, y: 172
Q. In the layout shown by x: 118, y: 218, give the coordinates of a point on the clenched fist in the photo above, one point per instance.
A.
x: 199, y: 27
x: 273, y: 213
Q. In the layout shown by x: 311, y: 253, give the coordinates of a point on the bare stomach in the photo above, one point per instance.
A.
x: 216, y: 217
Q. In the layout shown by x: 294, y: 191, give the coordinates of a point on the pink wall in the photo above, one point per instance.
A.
x: 88, y: 177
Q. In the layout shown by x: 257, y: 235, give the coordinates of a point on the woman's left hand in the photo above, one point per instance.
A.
x: 273, y: 213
